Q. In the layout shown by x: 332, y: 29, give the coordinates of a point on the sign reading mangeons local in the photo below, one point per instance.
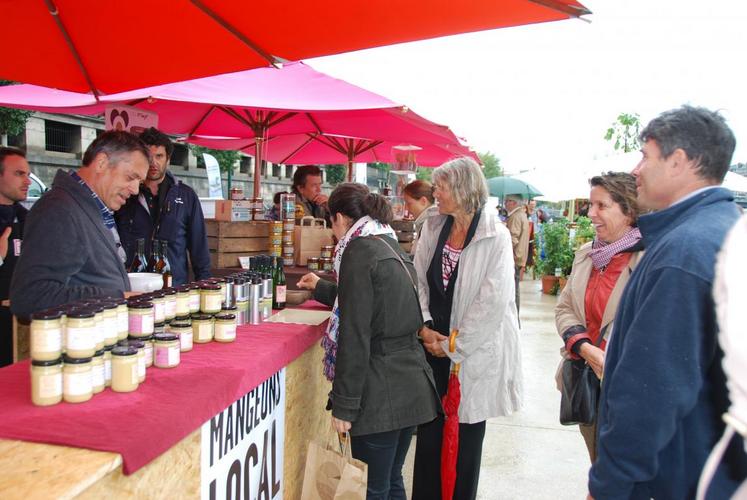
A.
x: 242, y: 446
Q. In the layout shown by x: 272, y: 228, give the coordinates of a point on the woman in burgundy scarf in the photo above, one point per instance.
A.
x: 601, y: 269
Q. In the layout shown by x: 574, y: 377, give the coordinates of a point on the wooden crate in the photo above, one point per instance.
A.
x: 228, y: 241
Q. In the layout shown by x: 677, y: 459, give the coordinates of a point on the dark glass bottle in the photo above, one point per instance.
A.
x: 278, y: 285
x: 155, y: 250
x: 140, y: 261
x: 165, y: 265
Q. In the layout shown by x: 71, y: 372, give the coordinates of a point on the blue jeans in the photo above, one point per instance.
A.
x: 384, y: 452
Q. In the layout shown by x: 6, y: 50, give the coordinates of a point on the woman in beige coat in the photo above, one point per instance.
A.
x: 587, y: 305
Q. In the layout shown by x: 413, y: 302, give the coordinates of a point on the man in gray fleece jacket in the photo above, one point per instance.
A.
x: 71, y: 247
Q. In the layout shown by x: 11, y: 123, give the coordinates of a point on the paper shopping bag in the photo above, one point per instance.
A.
x: 310, y: 236
x: 332, y: 475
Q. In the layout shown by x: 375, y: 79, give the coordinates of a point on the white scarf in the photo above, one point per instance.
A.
x: 365, y: 226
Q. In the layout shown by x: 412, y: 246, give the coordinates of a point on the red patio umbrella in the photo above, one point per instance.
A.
x: 450, y: 443
x: 107, y: 46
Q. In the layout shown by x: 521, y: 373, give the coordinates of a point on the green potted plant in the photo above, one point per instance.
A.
x: 555, y: 245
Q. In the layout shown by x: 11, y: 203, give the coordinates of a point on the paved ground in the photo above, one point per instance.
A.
x: 529, y: 455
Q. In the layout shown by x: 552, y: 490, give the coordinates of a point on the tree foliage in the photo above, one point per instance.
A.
x: 336, y: 174
x: 624, y: 132
x: 226, y: 159
x: 424, y: 174
x: 491, y: 164
x: 12, y: 121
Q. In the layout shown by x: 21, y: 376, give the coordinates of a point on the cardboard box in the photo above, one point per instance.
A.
x: 233, y: 210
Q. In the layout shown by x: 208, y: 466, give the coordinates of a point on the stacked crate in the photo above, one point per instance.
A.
x: 405, y: 230
x: 228, y: 241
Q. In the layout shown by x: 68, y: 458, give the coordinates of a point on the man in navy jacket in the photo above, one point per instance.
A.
x: 663, y: 391
x: 166, y: 209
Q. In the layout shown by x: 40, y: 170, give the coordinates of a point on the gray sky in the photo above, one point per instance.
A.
x: 541, y: 97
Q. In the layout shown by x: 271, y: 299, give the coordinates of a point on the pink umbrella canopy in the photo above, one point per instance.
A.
x: 263, y: 104
x: 328, y: 149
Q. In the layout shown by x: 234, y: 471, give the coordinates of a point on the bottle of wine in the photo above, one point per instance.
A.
x: 140, y: 261
x: 165, y: 265
x: 278, y: 285
x: 153, y: 259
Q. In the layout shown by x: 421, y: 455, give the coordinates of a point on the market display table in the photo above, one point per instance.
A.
x: 149, y: 441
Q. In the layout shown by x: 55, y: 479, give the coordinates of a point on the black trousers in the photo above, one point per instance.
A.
x: 384, y: 452
x: 426, y: 483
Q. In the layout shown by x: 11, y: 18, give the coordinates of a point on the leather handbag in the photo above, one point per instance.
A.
x: 579, y: 393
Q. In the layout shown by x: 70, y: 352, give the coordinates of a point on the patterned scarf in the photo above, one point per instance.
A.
x: 602, y: 252
x: 365, y: 226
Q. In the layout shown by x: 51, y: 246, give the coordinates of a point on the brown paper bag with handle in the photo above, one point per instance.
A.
x: 333, y: 475
x: 310, y: 236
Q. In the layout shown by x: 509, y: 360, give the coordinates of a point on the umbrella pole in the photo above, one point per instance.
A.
x: 259, y: 154
x: 351, y: 158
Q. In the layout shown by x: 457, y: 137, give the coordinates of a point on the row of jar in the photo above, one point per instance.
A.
x: 84, y: 327
x: 122, y: 366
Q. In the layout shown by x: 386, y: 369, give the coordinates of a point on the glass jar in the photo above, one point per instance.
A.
x: 46, y: 335
x: 288, y: 261
x: 111, y: 322
x: 327, y: 251
x: 108, y: 364
x: 287, y: 238
x: 184, y: 330
x: 98, y: 372
x: 80, y: 341
x: 148, y: 349
x: 312, y: 263
x: 167, y: 350
x: 194, y: 298
x: 98, y: 320
x: 182, y: 301
x: 140, y: 318
x: 125, y: 369
x: 140, y: 346
x: 77, y: 380
x: 159, y: 306
x: 46, y: 382
x: 225, y: 328
x: 123, y: 325
x: 202, y: 328
x: 210, y: 299
x: 159, y: 328
x: 170, y: 297
x: 326, y: 265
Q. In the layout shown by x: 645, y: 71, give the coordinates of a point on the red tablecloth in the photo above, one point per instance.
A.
x: 167, y: 407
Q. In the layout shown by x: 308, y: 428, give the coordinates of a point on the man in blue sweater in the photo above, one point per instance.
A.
x: 663, y: 391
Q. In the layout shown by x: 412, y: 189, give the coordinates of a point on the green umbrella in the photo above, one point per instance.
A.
x: 502, y: 186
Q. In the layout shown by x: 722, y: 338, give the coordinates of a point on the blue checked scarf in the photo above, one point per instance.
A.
x: 365, y: 226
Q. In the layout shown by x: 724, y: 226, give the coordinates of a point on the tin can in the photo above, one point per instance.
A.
x: 313, y: 263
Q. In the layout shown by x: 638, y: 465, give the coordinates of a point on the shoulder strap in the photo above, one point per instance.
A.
x: 404, y: 268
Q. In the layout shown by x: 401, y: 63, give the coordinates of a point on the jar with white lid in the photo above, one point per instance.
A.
x: 166, y: 350
x: 46, y: 382
x: 77, y: 380
x: 46, y: 335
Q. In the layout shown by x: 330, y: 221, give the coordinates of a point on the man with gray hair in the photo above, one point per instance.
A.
x: 664, y: 390
x: 71, y: 245
x: 518, y: 226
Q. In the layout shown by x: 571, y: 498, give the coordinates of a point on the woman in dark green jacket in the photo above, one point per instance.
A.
x: 382, y: 387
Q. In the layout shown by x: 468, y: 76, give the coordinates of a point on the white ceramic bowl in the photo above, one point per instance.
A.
x: 145, y: 282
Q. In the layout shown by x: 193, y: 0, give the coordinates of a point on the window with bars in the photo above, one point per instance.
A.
x: 61, y: 137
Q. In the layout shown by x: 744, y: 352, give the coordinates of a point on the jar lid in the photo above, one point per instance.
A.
x: 201, y: 317
x: 194, y: 286
x: 110, y: 304
x: 98, y: 353
x: 51, y: 362
x: 137, y: 344
x: 228, y: 308
x: 166, y: 337
x: 168, y: 291
x: 182, y: 289
x: 80, y: 313
x: 225, y: 317
x: 136, y: 304
x: 312, y: 259
x: 184, y: 317
x: 124, y: 351
x: 120, y: 301
x: 160, y: 324
x: 109, y: 347
x: 181, y: 324
x: 328, y: 247
x: 47, y: 314
x: 239, y: 281
x: 147, y: 338
x: 75, y: 361
x: 209, y: 286
x: 157, y: 295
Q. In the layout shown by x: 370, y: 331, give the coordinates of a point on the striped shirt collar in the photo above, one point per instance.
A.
x: 106, y: 213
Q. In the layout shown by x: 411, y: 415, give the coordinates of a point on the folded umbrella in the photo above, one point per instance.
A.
x: 450, y: 443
